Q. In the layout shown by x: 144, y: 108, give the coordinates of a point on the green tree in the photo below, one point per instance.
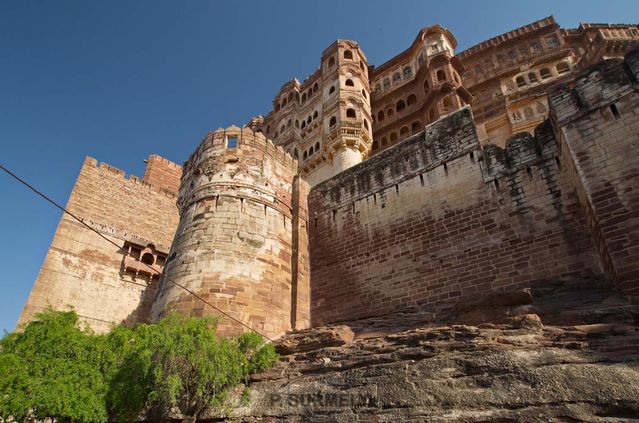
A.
x: 53, y: 368
x: 180, y: 364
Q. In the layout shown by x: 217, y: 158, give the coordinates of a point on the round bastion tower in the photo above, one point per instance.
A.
x: 233, y: 245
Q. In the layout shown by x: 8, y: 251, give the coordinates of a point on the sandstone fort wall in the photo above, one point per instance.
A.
x: 599, y: 134
x: 105, y: 284
x: 240, y: 206
x: 437, y: 218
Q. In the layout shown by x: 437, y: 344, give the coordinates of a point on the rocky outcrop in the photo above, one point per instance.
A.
x: 565, y: 352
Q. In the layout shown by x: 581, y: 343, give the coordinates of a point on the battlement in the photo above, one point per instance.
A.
x: 218, y: 140
x: 522, y: 151
x: 441, y: 141
x: 547, y: 22
x: 595, y: 87
x: 105, y: 167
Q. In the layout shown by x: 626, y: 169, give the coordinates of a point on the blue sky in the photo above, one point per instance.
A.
x: 120, y: 80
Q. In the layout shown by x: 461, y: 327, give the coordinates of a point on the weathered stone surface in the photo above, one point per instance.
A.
x: 517, y: 371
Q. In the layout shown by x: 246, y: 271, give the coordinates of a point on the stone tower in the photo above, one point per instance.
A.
x: 347, y: 111
x: 241, y: 241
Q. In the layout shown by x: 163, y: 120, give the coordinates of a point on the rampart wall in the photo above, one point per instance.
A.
x: 598, y: 121
x: 85, y: 271
x: 436, y: 218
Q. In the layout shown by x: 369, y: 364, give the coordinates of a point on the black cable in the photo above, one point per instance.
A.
x: 32, y: 188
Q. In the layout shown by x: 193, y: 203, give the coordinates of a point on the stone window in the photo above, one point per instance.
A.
x: 331, y: 90
x: 521, y: 82
x: 380, y: 115
x: 408, y: 72
x: 516, y: 116
x: 400, y: 106
x: 303, y: 97
x: 349, y: 83
x: 315, y: 115
x: 231, y: 142
x: 412, y: 99
x: 378, y: 88
x: 375, y: 145
x: 535, y: 46
x: 426, y: 86
x: 332, y: 122
x: 386, y: 83
x: 303, y: 124
x: 297, y: 123
x: 403, y: 131
x: 528, y: 112
x: 305, y: 155
x: 308, y: 120
x: 315, y: 88
x: 397, y: 77
x: 512, y: 55
x: 431, y: 115
x: 350, y: 113
x: 541, y: 109
x: 143, y: 262
x: 562, y: 68
x: 532, y: 77
x: 316, y: 146
x: 311, y: 151
x: 393, y: 136
x: 331, y: 62
x: 552, y: 41
x: 364, y: 94
x: 441, y: 76
x: 415, y: 126
x: 365, y: 124
x: 389, y: 112
x: 545, y: 73
x: 348, y: 54
x: 523, y: 50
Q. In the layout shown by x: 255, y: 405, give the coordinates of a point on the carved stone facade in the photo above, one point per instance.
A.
x: 327, y: 223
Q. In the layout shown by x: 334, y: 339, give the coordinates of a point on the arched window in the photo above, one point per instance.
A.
x: 365, y: 124
x: 516, y: 116
x: 384, y: 141
x: 315, y: 88
x: 303, y: 124
x: 378, y: 88
x: 380, y: 116
x: 350, y: 113
x: 441, y: 76
x: 386, y: 83
x: 303, y: 97
x: 389, y: 112
x: 296, y: 154
x: 447, y: 102
x: 333, y: 121
x: 431, y: 115
x: 275, y: 136
x: 397, y: 77
x: 331, y: 62
x: 545, y: 73
x: 315, y: 115
x: 528, y: 112
x: 403, y: 131
x: 400, y: 106
x: 532, y: 77
x: 349, y: 83
x: 521, y: 82
x: 416, y: 126
x: 562, y: 67
x: 364, y: 94
x: 289, y: 123
x: 393, y: 137
x: 147, y: 258
x: 311, y: 151
x: 277, y: 107
x: 305, y: 155
x: 375, y: 145
x: 348, y: 54
x: 426, y: 86
x: 284, y: 102
x: 290, y: 97
x: 408, y: 72
x: 283, y: 128
x: 308, y: 120
x: 331, y: 90
x: 317, y: 146
x: 297, y: 123
x: 412, y: 99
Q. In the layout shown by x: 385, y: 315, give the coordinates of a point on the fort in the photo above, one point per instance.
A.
x: 368, y: 190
